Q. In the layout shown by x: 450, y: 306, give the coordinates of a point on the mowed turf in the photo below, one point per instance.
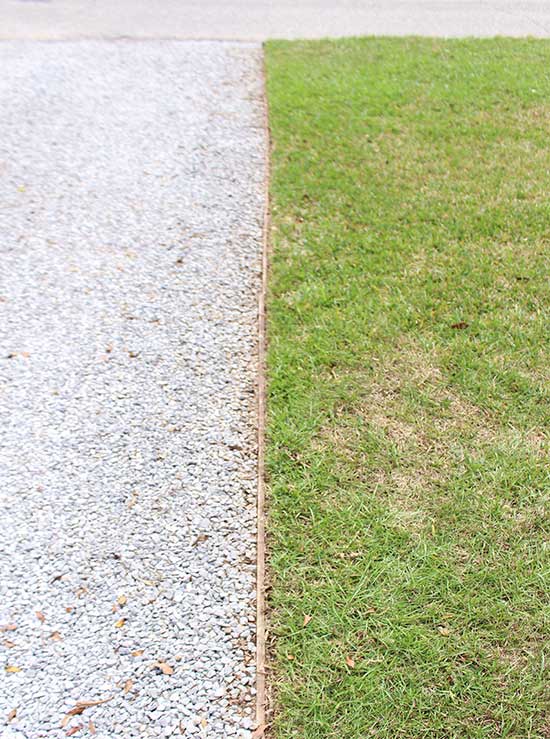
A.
x: 408, y: 410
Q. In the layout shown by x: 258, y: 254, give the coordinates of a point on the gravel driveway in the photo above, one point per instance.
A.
x: 131, y: 196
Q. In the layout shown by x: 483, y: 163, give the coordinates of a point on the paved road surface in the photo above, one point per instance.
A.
x: 131, y: 206
x: 261, y: 19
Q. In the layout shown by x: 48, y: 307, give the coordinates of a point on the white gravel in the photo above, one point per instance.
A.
x: 131, y: 193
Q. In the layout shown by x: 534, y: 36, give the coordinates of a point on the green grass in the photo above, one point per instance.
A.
x: 408, y: 410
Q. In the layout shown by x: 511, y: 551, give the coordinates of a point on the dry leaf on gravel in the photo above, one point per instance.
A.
x: 74, y: 730
x: 122, y: 600
x: 13, y: 668
x: 8, y: 644
x: 137, y: 653
x: 12, y: 714
x: 91, y: 727
x: 128, y: 685
x: 120, y: 623
x: 55, y: 636
x: 40, y: 616
x: 199, y: 539
x: 81, y: 706
x: 164, y: 668
x: 8, y: 627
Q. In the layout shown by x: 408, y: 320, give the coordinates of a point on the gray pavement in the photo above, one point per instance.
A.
x: 262, y: 19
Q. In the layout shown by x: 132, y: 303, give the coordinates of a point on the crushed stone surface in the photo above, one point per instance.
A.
x: 131, y: 204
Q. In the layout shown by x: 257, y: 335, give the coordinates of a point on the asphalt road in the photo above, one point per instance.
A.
x: 262, y: 19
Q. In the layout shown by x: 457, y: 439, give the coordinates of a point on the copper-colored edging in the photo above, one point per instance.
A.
x: 261, y: 406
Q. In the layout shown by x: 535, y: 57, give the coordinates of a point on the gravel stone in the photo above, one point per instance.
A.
x: 131, y: 206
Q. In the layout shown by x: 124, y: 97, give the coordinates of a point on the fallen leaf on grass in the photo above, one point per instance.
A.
x: 8, y: 627
x: 13, y: 668
x: 350, y: 662
x: 307, y: 619
x: 164, y: 668
x: 12, y: 714
x: 259, y: 731
x: 120, y: 623
x: 460, y: 325
x: 40, y: 616
x: 443, y: 630
x: 290, y: 656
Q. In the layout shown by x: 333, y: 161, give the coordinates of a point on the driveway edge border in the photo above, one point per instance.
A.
x: 261, y: 698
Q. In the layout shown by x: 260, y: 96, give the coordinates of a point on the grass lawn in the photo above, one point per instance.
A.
x: 409, y: 394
